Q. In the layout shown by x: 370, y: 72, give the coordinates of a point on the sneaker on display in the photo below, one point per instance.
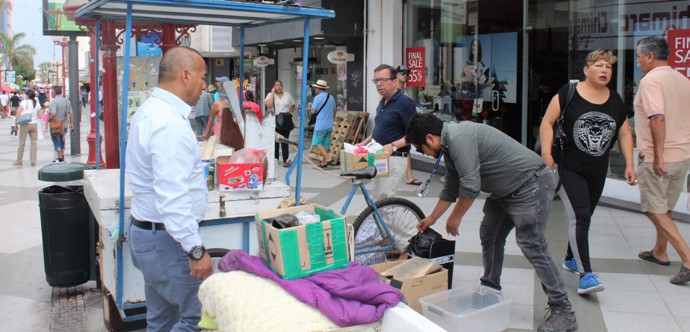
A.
x: 570, y: 265
x: 589, y: 283
x: 561, y: 319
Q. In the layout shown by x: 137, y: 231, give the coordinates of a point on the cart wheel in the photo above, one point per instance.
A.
x: 112, y: 319
x: 216, y: 254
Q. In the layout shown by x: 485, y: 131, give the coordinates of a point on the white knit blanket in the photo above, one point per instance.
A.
x: 241, y: 302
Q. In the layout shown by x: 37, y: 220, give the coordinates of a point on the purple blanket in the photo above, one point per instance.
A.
x: 350, y: 296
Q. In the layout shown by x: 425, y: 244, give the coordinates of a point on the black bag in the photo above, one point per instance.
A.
x: 284, y: 122
x: 559, y: 135
x: 420, y: 244
x: 312, y: 119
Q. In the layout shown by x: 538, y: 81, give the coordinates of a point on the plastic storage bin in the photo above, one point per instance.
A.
x: 468, y: 308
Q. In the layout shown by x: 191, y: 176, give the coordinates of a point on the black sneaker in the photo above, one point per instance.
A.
x: 560, y: 320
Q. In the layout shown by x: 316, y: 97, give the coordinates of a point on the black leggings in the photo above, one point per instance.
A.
x: 580, y: 195
x: 284, y: 146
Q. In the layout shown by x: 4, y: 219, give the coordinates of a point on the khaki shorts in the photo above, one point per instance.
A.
x: 659, y: 194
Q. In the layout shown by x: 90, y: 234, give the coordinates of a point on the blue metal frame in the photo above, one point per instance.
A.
x: 227, y: 13
x: 97, y: 33
x: 123, y: 147
x: 378, y: 218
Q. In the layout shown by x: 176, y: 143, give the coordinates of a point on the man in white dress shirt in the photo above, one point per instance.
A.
x: 169, y: 195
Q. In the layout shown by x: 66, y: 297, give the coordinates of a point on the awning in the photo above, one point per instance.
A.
x: 199, y: 12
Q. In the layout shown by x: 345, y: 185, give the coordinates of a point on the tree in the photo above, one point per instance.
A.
x: 14, y: 51
x: 44, y: 71
x: 5, y: 5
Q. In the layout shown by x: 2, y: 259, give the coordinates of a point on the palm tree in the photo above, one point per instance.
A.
x: 44, y: 70
x: 5, y: 5
x: 14, y: 51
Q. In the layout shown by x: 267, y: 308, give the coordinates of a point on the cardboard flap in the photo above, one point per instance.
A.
x: 412, y: 268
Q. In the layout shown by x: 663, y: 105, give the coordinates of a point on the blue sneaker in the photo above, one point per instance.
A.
x: 570, y: 265
x: 589, y: 284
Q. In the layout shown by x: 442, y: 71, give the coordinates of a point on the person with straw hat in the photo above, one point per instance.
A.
x: 323, y: 109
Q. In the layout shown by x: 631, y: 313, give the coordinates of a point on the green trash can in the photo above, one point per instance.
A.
x: 65, y: 226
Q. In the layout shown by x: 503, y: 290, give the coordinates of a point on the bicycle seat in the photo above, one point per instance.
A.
x: 362, y: 173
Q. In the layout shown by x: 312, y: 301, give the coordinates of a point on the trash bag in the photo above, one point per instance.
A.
x: 420, y: 244
x: 283, y: 221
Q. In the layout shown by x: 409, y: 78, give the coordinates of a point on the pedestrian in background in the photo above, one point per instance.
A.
x: 662, y: 126
x: 31, y: 106
x: 595, y: 117
x: 323, y: 107
x: 281, y: 102
x: 60, y: 111
x: 202, y: 111
x: 169, y: 195
x: 4, y: 99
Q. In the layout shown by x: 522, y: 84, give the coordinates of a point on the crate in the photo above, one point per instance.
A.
x: 348, y: 127
x: 468, y: 308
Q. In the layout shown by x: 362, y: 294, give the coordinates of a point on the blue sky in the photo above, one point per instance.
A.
x: 26, y: 17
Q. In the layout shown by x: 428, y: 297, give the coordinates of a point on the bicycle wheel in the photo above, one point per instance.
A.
x: 400, y: 215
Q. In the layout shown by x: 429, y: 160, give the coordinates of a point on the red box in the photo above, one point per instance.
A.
x: 239, y: 177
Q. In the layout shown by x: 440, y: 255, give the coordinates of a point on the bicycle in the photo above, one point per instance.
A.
x: 395, y: 229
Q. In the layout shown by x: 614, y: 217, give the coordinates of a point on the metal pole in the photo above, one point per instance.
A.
x: 123, y: 146
x: 74, y: 96
x: 241, y: 91
x: 303, y: 105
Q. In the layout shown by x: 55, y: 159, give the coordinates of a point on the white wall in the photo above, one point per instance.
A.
x: 384, y: 44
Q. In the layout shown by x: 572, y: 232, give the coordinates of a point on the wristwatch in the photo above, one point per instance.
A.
x: 197, y: 252
x: 394, y: 148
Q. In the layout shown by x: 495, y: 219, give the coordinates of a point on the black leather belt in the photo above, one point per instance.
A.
x: 400, y: 154
x: 147, y: 224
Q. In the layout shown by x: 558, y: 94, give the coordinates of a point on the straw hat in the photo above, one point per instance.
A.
x: 321, y: 84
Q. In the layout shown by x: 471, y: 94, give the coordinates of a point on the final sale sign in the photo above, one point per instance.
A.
x: 679, y: 46
x: 414, y: 59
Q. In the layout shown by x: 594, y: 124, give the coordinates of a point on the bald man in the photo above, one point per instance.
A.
x: 169, y: 195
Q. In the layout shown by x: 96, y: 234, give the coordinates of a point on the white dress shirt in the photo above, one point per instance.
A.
x: 164, y: 168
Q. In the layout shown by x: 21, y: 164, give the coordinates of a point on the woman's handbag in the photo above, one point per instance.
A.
x: 24, y: 119
x: 57, y: 127
x: 284, y: 121
x: 559, y: 135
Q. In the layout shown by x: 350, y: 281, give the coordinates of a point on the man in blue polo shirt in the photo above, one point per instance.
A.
x: 392, y: 116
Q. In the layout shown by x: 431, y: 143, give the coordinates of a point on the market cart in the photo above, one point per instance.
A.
x: 122, y: 283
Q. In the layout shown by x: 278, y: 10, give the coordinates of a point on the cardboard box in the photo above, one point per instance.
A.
x: 239, y: 176
x: 301, y: 251
x: 415, y: 288
x: 350, y: 161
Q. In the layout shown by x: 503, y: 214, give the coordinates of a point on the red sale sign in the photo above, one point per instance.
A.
x: 414, y: 59
x: 679, y: 46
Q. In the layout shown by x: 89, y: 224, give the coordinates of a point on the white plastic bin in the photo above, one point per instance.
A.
x: 468, y: 308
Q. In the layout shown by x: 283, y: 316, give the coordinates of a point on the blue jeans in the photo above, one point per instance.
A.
x: 172, y: 302
x: 527, y: 210
x: 58, y: 142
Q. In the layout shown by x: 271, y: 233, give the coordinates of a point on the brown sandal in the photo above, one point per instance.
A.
x: 649, y: 256
x: 682, y: 277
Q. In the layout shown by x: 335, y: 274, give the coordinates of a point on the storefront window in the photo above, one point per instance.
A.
x: 501, y: 62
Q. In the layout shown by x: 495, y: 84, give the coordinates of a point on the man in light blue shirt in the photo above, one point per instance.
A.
x: 169, y: 195
x: 324, y: 108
